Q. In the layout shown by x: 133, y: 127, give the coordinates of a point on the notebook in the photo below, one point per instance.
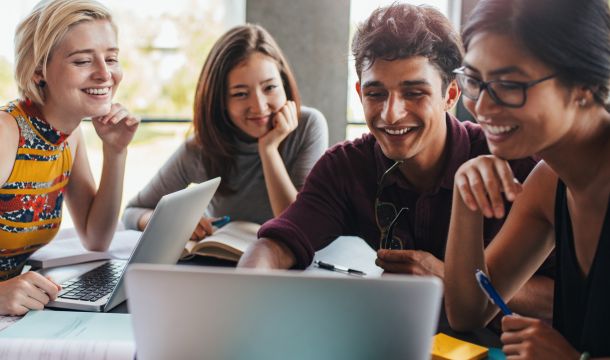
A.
x: 445, y: 347
x: 187, y: 312
x: 162, y: 242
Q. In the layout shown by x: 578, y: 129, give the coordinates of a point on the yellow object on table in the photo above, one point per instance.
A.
x: 445, y: 347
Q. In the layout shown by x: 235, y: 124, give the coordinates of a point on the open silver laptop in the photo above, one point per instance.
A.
x: 162, y: 242
x: 186, y: 312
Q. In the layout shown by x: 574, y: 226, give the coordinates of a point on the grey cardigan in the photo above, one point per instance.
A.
x: 300, y: 151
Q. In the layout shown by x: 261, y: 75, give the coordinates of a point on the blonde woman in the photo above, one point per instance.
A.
x: 67, y: 69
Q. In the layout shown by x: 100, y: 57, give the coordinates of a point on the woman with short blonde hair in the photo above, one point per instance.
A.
x: 67, y: 69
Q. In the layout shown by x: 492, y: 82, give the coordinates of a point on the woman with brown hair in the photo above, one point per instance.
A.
x: 250, y: 129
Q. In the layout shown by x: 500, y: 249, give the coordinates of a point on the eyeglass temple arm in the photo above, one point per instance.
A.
x: 390, y: 232
x: 382, y: 179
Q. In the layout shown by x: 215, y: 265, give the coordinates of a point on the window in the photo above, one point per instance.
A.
x: 163, y: 47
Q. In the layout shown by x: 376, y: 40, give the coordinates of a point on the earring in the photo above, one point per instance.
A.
x: 582, y: 102
x: 42, y: 84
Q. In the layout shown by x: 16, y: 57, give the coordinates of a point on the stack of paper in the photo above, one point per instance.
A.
x: 69, y: 335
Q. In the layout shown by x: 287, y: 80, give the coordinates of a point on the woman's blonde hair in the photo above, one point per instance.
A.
x: 40, y: 32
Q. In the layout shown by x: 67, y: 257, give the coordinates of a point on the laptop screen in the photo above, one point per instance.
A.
x: 185, y: 312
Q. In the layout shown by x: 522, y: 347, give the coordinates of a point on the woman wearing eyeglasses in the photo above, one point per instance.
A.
x: 536, y: 77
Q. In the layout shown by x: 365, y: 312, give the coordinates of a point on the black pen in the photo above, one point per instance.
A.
x: 331, y: 267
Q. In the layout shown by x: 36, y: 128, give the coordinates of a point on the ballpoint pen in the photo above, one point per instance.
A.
x: 220, y: 222
x: 491, y: 293
x: 331, y: 267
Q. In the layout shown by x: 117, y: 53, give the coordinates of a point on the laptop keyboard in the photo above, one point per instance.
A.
x: 94, y: 284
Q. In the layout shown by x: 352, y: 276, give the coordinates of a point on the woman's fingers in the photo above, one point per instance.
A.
x: 479, y: 192
x: 206, y: 224
x: 44, y: 285
x: 481, y: 182
x: 204, y: 228
x: 511, y: 186
x: 465, y: 192
x: 199, y: 233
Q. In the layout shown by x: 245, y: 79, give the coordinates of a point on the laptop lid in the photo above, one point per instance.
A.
x: 170, y: 227
x: 187, y: 312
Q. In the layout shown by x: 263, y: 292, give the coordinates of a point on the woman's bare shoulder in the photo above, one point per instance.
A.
x: 540, y: 188
x: 9, y: 141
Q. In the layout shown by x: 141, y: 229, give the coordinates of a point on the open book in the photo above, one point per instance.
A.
x: 68, y: 251
x: 227, y: 243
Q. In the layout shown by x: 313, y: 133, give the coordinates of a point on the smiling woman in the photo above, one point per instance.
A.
x: 83, y: 74
x: 537, y: 84
x: 250, y: 129
x: 66, y: 70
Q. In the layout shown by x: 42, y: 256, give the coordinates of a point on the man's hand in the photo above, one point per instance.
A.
x: 414, y: 262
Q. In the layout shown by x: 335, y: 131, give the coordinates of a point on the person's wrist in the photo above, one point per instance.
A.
x: 268, y: 148
x: 109, y: 150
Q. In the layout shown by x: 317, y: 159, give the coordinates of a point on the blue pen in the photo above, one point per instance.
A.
x: 491, y: 293
x: 220, y: 222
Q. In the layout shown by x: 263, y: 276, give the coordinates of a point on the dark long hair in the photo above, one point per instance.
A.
x: 401, y: 31
x: 214, y: 131
x: 572, y: 37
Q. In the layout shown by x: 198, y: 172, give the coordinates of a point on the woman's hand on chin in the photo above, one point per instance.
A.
x: 284, y: 122
x: 117, y: 128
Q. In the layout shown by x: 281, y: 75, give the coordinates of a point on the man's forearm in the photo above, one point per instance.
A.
x: 267, y: 254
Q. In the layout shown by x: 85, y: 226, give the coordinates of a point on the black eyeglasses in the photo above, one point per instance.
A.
x: 506, y: 93
x: 387, y: 217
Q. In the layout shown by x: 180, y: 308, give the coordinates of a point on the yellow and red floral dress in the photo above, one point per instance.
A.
x: 31, y: 199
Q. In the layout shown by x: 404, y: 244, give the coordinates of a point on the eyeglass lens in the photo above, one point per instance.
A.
x: 503, y: 92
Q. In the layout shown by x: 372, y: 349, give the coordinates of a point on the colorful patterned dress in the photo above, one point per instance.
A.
x: 31, y: 199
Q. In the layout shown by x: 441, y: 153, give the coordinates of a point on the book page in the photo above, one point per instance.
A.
x: 7, y: 320
x: 54, y: 349
x: 234, y: 237
x: 71, y: 325
x: 44, y: 334
x: 350, y: 252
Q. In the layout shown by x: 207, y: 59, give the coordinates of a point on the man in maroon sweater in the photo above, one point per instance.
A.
x: 405, y: 56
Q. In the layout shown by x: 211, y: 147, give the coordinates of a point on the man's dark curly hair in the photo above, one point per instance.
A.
x: 401, y: 31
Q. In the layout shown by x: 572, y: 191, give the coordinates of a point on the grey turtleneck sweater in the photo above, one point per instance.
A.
x: 300, y: 151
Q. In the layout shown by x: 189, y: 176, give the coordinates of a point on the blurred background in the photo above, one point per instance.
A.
x: 163, y: 45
